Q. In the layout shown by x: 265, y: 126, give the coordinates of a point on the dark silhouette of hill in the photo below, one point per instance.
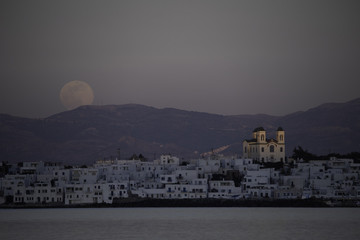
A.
x: 328, y: 128
x: 89, y: 133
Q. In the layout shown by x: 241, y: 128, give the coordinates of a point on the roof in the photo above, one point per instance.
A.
x: 268, y: 140
x: 250, y: 140
x: 259, y: 129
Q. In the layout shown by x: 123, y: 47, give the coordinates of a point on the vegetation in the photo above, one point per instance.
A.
x: 276, y: 165
x: 136, y: 157
x: 300, y: 153
x: 4, y: 169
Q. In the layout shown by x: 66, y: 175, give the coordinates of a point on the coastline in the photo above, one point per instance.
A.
x: 198, y: 203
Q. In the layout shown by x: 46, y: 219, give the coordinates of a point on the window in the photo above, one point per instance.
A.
x: 262, y: 137
x: 262, y: 149
x: 272, y: 148
x: 281, y: 149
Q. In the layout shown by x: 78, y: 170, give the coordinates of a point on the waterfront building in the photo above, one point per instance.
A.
x: 224, y: 189
x: 215, y: 177
x: 39, y: 192
x: 288, y: 192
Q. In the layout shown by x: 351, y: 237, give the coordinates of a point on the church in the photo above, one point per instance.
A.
x: 263, y: 149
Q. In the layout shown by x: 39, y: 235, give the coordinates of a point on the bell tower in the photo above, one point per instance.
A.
x: 260, y: 135
x: 280, y: 135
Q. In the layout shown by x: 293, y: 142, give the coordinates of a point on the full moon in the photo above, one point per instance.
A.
x: 76, y: 93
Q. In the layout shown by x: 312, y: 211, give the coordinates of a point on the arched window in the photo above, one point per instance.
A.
x: 272, y: 148
x: 281, y: 138
x: 262, y: 137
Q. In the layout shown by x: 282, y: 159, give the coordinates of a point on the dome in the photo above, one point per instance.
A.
x: 259, y: 129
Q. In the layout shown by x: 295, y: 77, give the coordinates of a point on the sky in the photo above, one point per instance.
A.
x: 224, y: 57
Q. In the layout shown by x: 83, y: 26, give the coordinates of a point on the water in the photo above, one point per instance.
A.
x: 180, y: 223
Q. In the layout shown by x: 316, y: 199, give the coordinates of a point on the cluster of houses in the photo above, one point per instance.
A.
x: 107, y: 181
x: 168, y: 178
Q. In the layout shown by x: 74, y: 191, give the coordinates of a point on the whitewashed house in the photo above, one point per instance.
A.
x: 224, y: 189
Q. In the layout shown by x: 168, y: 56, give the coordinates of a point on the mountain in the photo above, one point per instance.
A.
x: 89, y: 133
x: 331, y: 127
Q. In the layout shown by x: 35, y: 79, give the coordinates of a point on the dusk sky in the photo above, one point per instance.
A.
x: 224, y: 57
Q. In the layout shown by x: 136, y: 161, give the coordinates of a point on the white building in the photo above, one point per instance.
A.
x: 224, y: 189
x: 216, y: 177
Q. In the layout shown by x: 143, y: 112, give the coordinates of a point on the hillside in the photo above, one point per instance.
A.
x: 89, y: 133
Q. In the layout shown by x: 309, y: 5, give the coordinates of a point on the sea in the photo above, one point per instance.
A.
x: 180, y: 223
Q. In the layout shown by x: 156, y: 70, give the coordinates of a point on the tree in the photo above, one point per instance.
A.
x: 300, y: 153
x: 142, y: 158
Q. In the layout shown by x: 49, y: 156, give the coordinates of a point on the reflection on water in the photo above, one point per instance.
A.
x: 180, y: 223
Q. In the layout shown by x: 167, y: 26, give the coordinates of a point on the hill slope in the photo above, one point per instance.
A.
x: 89, y: 133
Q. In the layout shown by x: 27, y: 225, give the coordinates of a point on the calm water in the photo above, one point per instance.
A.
x: 180, y: 223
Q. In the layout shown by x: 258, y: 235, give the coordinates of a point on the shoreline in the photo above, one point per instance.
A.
x: 198, y: 203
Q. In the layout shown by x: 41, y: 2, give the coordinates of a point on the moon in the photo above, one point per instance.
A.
x: 76, y: 93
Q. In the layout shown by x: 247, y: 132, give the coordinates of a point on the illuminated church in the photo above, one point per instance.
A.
x: 263, y: 149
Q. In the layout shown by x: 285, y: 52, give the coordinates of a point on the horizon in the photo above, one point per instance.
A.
x: 160, y: 108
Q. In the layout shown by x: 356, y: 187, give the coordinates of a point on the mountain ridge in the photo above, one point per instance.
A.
x: 89, y: 133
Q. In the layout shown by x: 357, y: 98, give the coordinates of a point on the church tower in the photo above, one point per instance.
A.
x: 263, y: 149
x: 260, y: 134
x: 280, y: 135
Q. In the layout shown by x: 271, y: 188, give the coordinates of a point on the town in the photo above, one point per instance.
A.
x: 262, y: 173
